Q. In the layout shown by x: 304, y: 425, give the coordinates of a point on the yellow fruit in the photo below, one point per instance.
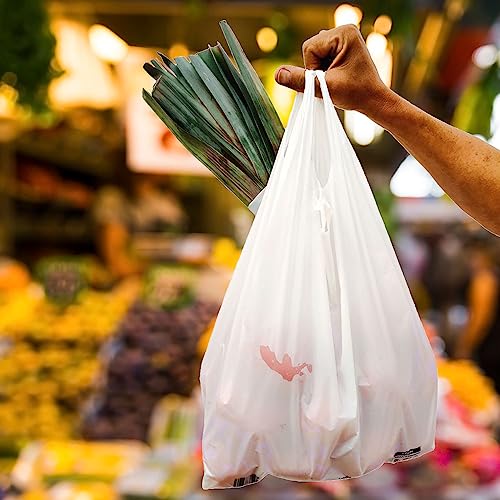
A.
x: 205, y: 338
x: 225, y: 253
x: 35, y: 495
x: 474, y: 389
x: 52, y: 358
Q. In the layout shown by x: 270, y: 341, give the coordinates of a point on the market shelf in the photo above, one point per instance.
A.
x: 72, y: 231
x: 84, y: 159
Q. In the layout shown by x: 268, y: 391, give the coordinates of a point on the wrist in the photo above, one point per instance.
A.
x: 383, y: 103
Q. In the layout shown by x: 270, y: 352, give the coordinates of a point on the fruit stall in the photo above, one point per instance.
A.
x: 85, y: 370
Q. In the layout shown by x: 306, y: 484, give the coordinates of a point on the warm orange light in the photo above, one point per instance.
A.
x: 267, y: 39
x: 377, y: 44
x: 347, y: 14
x: 107, y: 45
x: 87, y: 80
x: 383, y: 24
x: 8, y: 99
x: 178, y: 50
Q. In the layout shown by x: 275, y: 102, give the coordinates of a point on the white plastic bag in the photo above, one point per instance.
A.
x: 318, y: 367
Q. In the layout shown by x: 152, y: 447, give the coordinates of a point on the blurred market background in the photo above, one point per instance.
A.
x: 117, y: 245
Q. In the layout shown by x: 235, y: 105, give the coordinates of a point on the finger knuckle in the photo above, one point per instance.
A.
x: 350, y: 30
x: 330, y: 82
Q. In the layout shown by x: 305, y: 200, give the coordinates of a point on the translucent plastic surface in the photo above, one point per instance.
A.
x: 318, y: 367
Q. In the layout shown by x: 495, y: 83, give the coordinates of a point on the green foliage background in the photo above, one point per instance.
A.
x: 27, y: 49
x: 474, y: 109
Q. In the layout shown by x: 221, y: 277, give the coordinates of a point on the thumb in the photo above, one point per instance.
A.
x: 292, y: 77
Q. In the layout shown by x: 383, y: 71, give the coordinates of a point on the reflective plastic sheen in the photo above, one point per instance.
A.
x: 318, y: 367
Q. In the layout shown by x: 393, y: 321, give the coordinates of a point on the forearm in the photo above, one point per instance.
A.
x: 467, y: 168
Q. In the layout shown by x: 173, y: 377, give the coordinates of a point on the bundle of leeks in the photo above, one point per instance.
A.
x: 220, y: 112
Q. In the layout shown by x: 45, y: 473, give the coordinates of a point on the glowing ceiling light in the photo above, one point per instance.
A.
x: 267, y: 39
x: 383, y: 24
x: 384, y: 67
x: 347, y: 14
x: 411, y: 180
x: 360, y: 128
x: 377, y: 45
x: 87, y: 80
x: 106, y: 44
x: 485, y: 56
x: 455, y: 9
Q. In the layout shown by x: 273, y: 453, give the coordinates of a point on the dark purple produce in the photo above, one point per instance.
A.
x: 155, y: 355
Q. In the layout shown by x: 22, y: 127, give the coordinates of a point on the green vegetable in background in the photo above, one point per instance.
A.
x: 220, y: 111
x: 474, y: 109
x: 27, y: 51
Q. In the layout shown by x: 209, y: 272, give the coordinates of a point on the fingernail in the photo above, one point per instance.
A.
x: 283, y: 76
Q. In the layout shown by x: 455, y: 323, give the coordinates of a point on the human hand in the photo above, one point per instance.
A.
x: 352, y: 78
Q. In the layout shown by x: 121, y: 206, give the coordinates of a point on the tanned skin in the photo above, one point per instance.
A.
x: 467, y: 168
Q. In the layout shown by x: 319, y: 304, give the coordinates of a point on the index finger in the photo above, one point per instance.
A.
x: 320, y: 50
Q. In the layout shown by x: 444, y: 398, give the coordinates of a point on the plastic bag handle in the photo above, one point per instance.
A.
x: 325, y: 93
x: 323, y: 86
x: 309, y: 88
x: 309, y: 93
x: 335, y: 130
x: 309, y: 84
x: 254, y: 205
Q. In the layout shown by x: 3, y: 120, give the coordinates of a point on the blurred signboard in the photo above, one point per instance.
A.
x: 151, y: 147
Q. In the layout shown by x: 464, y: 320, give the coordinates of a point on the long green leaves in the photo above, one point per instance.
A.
x: 259, y: 96
x: 220, y: 112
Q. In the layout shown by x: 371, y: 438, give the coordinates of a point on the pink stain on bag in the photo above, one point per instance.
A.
x: 285, y: 368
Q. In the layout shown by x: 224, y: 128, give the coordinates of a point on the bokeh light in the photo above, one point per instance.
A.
x: 267, y: 39
x: 485, y: 56
x: 106, y: 44
x: 377, y: 44
x: 383, y: 24
x: 347, y: 14
x: 178, y: 50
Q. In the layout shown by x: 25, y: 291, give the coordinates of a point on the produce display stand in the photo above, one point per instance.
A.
x: 49, y: 359
x: 153, y: 353
x: 51, y: 185
x: 77, y: 362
